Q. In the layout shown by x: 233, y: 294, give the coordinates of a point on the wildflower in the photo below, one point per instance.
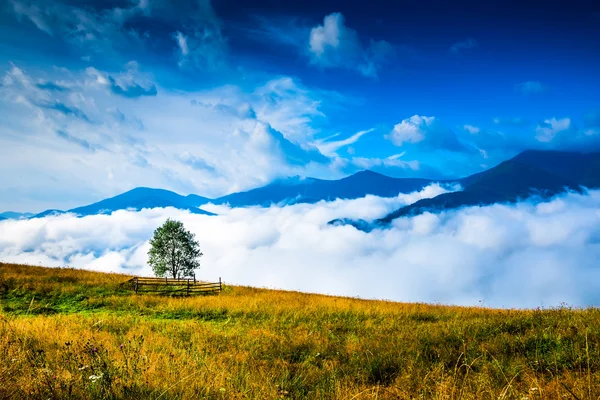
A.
x: 94, y: 378
x: 83, y: 367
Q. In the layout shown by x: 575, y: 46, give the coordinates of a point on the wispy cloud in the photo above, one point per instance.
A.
x: 78, y: 141
x: 115, y: 31
x: 330, y: 147
x: 467, y: 44
x: 531, y: 88
x: 206, y: 142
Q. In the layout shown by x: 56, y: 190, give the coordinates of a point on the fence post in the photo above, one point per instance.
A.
x: 136, y: 284
x: 220, y: 287
x: 188, y: 287
x: 194, y: 278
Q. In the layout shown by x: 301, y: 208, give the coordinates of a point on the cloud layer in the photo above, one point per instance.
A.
x: 526, y: 255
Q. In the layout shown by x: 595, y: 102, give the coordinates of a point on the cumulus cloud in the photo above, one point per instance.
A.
x: 547, y: 130
x: 526, y: 255
x: 411, y: 130
x: 466, y: 44
x: 334, y: 45
x: 472, y: 129
x: 564, y: 134
x: 425, y: 132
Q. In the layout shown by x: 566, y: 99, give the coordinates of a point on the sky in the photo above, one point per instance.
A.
x: 213, y: 97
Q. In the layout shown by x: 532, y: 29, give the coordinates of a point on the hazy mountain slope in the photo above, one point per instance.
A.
x: 309, y: 190
x: 529, y: 173
x: 136, y: 199
x: 14, y: 215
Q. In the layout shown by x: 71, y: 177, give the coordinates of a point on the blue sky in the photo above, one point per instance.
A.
x: 97, y: 97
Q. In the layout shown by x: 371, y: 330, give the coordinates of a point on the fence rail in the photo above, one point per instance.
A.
x: 173, y: 286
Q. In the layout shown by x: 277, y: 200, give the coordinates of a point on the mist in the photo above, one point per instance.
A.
x: 520, y: 256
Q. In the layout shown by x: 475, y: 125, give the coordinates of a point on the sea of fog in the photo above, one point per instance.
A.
x: 524, y: 255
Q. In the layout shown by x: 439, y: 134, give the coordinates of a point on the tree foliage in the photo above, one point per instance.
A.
x: 174, y: 252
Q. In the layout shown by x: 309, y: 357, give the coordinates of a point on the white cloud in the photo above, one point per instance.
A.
x: 411, y: 130
x: 550, y: 128
x: 472, y: 129
x: 335, y: 45
x: 330, y: 147
x: 53, y: 140
x: 182, y: 42
x: 330, y: 34
x: 391, y: 161
x: 525, y: 255
x: 288, y: 107
x: 427, y: 134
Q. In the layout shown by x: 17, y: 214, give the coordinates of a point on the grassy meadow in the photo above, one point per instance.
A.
x: 73, y: 334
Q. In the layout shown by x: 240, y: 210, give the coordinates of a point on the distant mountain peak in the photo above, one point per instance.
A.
x: 368, y: 172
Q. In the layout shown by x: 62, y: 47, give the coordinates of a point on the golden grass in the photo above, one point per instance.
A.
x: 84, y: 337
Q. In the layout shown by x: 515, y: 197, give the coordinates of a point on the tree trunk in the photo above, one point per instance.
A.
x: 173, y: 266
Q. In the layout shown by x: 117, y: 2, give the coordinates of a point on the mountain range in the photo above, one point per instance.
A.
x: 540, y: 174
x: 531, y: 173
x: 14, y: 215
x: 280, y: 192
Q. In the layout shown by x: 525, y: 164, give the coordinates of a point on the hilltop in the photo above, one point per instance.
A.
x: 68, y: 333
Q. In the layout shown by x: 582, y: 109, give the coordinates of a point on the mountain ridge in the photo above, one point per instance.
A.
x: 529, y: 173
x: 280, y: 192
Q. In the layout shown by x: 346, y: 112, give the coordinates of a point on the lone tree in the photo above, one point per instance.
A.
x: 174, y: 252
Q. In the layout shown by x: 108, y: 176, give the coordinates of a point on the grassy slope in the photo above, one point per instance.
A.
x: 83, y: 337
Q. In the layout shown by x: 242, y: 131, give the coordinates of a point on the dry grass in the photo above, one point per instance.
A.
x: 84, y: 337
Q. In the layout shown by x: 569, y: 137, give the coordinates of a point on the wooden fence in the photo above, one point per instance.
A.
x: 173, y: 286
